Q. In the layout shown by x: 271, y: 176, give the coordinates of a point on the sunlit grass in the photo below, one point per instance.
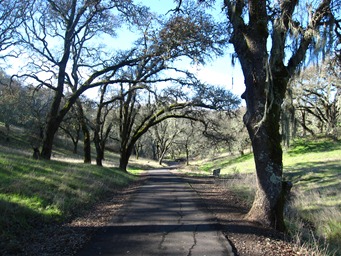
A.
x: 36, y: 192
x: 138, y: 166
x: 229, y: 164
x: 314, y: 168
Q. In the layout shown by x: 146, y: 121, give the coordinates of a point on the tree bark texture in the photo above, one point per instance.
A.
x: 262, y: 120
x: 266, y: 79
x: 86, y: 144
x: 263, y: 96
x: 99, y: 150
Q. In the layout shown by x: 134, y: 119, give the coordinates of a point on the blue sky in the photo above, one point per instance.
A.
x: 220, y: 70
x: 217, y: 72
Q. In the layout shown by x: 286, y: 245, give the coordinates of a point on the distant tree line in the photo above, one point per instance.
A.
x: 313, y: 103
x: 171, y: 124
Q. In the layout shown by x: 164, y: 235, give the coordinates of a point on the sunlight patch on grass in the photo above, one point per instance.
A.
x: 230, y: 164
x: 303, y: 146
x: 139, y: 166
x: 36, y: 192
x: 34, y: 203
x: 314, y: 168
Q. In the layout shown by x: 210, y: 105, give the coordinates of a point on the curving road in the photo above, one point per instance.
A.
x: 164, y: 217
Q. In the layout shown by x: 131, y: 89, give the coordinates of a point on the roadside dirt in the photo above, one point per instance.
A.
x: 247, y: 238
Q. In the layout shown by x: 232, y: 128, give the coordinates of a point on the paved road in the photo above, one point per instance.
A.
x: 163, y: 218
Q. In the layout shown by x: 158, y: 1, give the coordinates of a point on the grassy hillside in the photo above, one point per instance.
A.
x: 34, y: 193
x: 314, y: 167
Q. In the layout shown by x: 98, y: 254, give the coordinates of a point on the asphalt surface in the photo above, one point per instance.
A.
x: 164, y: 217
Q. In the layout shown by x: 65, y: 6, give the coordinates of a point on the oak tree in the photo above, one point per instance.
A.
x: 261, y: 32
x: 60, y: 42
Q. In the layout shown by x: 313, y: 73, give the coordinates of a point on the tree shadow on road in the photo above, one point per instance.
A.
x: 247, y: 237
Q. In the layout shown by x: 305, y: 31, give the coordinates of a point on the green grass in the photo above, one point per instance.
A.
x: 314, y: 167
x: 230, y: 164
x: 34, y: 193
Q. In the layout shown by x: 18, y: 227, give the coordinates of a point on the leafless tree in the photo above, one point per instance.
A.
x: 59, y: 40
x: 12, y: 14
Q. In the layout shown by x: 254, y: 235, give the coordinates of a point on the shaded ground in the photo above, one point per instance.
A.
x: 247, y: 238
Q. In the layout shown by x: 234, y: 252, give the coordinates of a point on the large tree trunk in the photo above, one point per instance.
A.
x: 53, y: 121
x: 268, y: 159
x: 162, y: 155
x: 262, y: 121
x: 99, y: 157
x: 266, y: 79
x: 55, y: 116
x: 126, y: 149
x: 264, y: 96
x: 49, y: 133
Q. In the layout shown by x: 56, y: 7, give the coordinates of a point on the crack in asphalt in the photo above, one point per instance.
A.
x: 165, y: 234
x: 194, y: 241
x: 162, y: 240
x: 180, y: 213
